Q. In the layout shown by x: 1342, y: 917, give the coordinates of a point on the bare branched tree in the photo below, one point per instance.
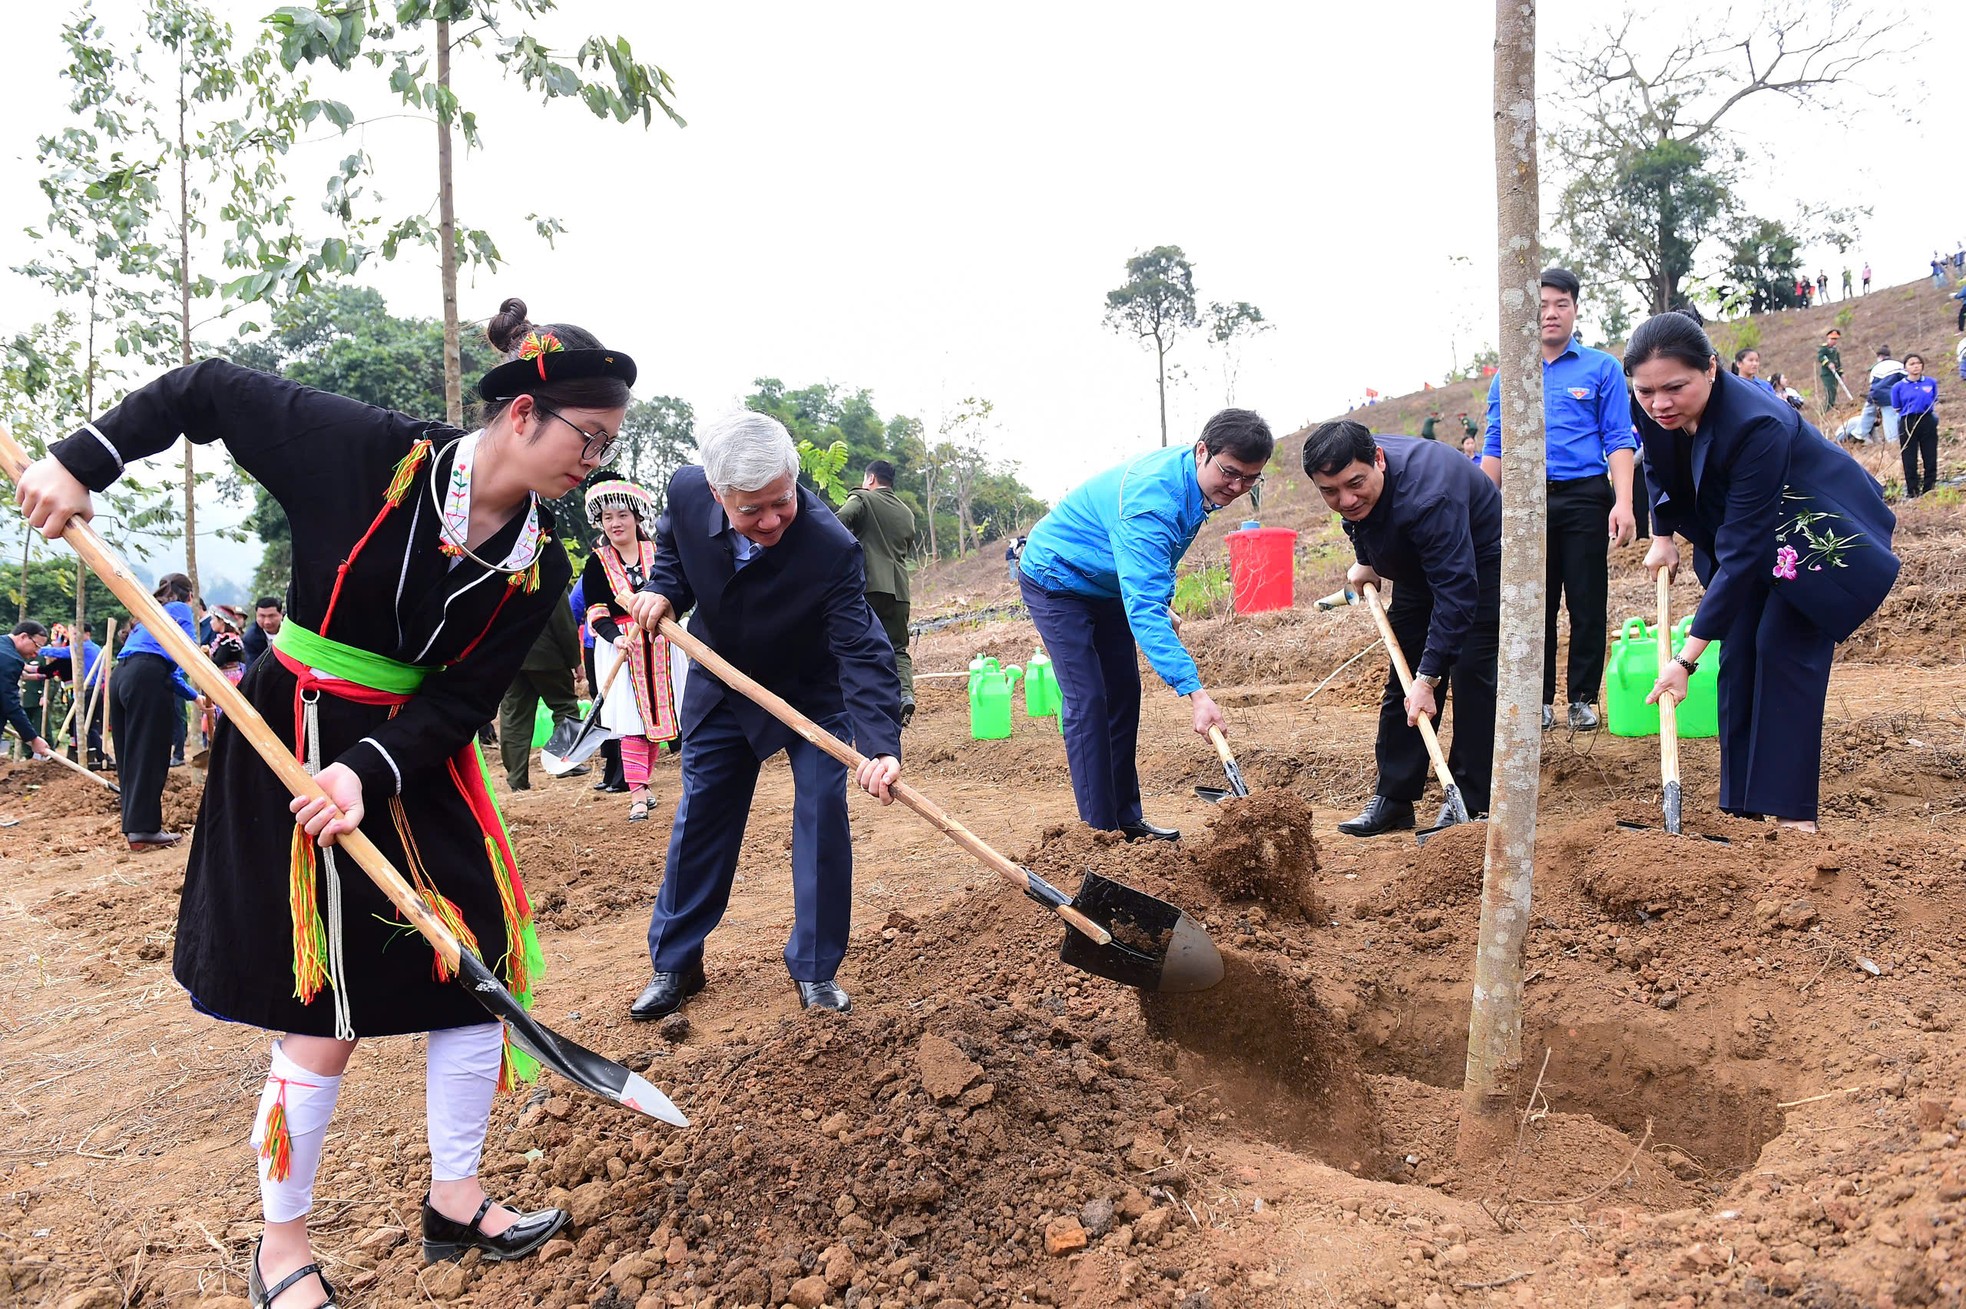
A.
x: 1650, y: 163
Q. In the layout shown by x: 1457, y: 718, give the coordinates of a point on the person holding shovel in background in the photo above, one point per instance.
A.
x: 639, y: 708
x: 1829, y: 359
x: 1791, y: 539
x: 424, y: 565
x: 1098, y: 575
x: 1422, y: 516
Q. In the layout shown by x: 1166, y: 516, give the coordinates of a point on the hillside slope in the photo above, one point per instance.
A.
x: 1915, y: 317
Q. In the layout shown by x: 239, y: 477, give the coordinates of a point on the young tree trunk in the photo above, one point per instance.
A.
x: 447, y: 241
x: 184, y: 325
x: 26, y: 553
x: 78, y: 664
x: 928, y: 496
x: 1160, y: 359
x: 1495, y: 1023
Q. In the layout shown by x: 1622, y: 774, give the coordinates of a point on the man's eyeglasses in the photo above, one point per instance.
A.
x: 1233, y: 478
x: 600, y: 446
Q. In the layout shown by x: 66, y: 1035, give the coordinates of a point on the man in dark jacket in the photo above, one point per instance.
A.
x: 547, y: 674
x: 778, y: 589
x: 1423, y: 517
x: 25, y: 643
x: 885, y: 528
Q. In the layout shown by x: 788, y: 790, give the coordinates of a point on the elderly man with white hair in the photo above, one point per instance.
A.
x: 778, y: 588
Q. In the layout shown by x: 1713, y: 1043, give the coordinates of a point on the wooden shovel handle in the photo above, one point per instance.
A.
x: 1668, y: 711
x: 143, y: 607
x: 1427, y: 734
x: 776, y: 705
x: 57, y: 756
x: 1221, y: 744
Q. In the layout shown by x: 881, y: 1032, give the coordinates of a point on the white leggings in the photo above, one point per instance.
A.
x: 460, y: 1080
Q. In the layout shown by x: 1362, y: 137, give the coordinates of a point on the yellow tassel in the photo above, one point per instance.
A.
x: 516, y: 977
x: 310, y: 935
x: 441, y: 908
x: 399, y: 483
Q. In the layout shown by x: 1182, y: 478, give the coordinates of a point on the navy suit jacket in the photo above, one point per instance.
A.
x: 1758, y: 471
x: 795, y: 618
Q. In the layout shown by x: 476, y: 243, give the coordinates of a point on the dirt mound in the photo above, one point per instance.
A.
x: 1260, y: 848
x: 1444, y: 872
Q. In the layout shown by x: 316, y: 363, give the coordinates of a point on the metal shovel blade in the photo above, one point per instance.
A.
x: 1457, y: 813
x: 1155, y: 946
x: 572, y: 744
x: 1213, y: 794
x: 569, y: 1059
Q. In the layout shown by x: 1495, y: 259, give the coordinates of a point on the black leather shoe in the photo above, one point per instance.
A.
x: 444, y: 1239
x: 1146, y: 831
x: 824, y: 995
x: 1381, y: 815
x: 258, y: 1294
x: 907, y: 712
x: 140, y: 841
x: 612, y: 788
x: 665, y: 995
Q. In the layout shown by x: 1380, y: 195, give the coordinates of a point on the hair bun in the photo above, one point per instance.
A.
x: 508, y: 326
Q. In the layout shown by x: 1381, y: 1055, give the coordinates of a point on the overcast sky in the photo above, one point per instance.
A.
x: 932, y: 203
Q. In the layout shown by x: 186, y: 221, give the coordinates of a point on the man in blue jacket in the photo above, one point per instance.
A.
x: 778, y: 589
x: 1425, y: 519
x: 1098, y: 575
x: 1587, y: 429
x: 64, y: 658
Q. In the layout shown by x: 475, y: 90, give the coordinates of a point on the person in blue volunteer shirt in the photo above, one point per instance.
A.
x: 1914, y: 399
x: 1097, y: 574
x: 64, y: 655
x: 143, y: 695
x: 1588, y: 430
x: 1747, y: 367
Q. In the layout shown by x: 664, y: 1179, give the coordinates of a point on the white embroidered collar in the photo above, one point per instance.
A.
x: 454, y: 515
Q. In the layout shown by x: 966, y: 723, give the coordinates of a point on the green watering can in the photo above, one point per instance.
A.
x: 989, y: 700
x: 1041, y: 696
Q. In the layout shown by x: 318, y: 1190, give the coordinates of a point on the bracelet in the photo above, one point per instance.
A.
x: 1690, y: 665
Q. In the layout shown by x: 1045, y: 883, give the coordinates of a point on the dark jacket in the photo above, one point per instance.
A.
x: 254, y: 640
x: 558, y: 646
x: 795, y: 618
x: 1758, y: 472
x: 1438, y: 524
x: 885, y: 528
x: 11, y: 713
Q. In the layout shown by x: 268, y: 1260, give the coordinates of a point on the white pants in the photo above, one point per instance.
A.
x: 460, y: 1079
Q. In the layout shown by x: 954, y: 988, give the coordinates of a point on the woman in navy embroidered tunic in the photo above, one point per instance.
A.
x: 1791, y: 539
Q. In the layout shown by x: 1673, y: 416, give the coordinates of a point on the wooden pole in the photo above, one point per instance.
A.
x: 1495, y: 1019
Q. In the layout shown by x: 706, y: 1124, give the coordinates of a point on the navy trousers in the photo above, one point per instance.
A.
x: 1092, y: 654
x: 1774, y: 680
x: 720, y: 775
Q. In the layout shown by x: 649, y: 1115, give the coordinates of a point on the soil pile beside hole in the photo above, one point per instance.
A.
x: 1446, y: 871
x: 1261, y: 848
x: 1273, y: 1054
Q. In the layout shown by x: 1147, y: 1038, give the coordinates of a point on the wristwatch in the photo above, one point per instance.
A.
x: 1690, y: 665
x: 1431, y: 679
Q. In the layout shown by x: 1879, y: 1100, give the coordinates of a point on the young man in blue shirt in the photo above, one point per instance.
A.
x: 1587, y: 428
x: 1097, y: 574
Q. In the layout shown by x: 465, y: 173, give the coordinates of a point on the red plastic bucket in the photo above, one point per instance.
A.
x: 1262, y: 568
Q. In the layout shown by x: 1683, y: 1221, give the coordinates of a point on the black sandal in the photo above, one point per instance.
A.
x: 445, y: 1238
x: 261, y: 1297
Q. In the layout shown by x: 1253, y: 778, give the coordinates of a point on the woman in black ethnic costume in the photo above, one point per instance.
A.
x: 424, y: 567
x: 640, y: 706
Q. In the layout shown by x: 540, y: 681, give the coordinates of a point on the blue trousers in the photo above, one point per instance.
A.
x: 1092, y: 654
x: 1774, y: 679
x: 720, y: 775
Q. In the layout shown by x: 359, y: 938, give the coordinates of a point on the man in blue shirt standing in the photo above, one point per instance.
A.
x: 1097, y: 574
x: 1587, y: 426
x: 91, y: 656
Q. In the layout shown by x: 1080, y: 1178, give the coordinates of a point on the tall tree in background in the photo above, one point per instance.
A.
x: 1156, y: 303
x: 1495, y: 1018
x: 622, y: 88
x: 1230, y: 327
x: 1651, y: 166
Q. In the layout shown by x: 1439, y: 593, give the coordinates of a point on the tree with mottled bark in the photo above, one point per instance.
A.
x: 1495, y: 1019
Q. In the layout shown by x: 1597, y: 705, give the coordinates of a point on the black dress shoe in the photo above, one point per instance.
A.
x: 665, y: 995
x: 1146, y: 831
x: 141, y: 841
x: 1381, y: 815
x: 824, y: 995
x: 444, y: 1239
x: 612, y: 788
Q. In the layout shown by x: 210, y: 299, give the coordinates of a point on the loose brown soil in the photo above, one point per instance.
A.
x: 1740, y: 1080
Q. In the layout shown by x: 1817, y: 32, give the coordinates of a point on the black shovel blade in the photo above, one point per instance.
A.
x: 1236, y: 784
x: 1672, y: 803
x: 1155, y: 946
x: 572, y: 744
x: 1213, y: 794
x: 573, y: 1061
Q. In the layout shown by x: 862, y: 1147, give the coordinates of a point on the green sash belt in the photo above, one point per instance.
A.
x: 362, y: 667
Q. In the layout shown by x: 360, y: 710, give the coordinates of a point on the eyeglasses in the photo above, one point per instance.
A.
x: 1244, y: 480
x: 600, y: 446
